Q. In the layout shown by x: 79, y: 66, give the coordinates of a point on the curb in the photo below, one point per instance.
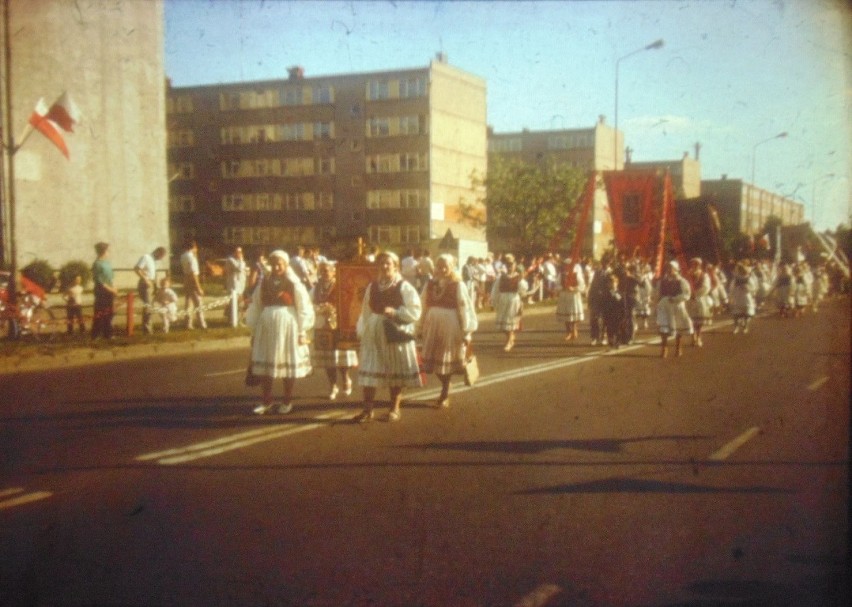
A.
x: 78, y: 357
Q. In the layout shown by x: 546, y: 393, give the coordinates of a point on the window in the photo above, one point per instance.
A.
x: 409, y: 125
x: 181, y: 170
x: 322, y: 130
x: 229, y: 101
x: 378, y: 127
x: 325, y: 201
x: 296, y: 167
x: 326, y: 166
x: 181, y: 138
x: 231, y: 168
x: 412, y: 87
x: 377, y: 90
x: 181, y: 204
x: 322, y: 94
x: 291, y: 132
x: 233, y: 202
x: 291, y: 96
x: 412, y: 162
x: 512, y: 144
x: 179, y: 104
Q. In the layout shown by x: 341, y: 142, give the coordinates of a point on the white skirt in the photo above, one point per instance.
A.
x: 384, y: 364
x: 569, y: 306
x: 507, y: 308
x: 672, y: 318
x: 275, y: 350
x: 443, y: 342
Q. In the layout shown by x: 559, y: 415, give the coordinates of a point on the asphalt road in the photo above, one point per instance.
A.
x: 569, y: 475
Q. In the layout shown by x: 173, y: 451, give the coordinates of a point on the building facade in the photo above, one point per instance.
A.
x: 109, y: 59
x: 384, y: 156
x: 588, y: 149
x: 685, y: 174
x: 744, y: 208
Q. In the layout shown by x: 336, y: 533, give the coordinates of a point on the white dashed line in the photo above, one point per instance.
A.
x: 727, y: 450
x: 20, y: 500
x: 817, y: 384
x: 539, y: 596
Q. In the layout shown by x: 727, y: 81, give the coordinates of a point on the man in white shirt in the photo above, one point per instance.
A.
x: 146, y: 270
x: 192, y: 285
x: 236, y: 273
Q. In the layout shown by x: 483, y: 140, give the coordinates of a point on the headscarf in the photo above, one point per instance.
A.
x: 290, y: 273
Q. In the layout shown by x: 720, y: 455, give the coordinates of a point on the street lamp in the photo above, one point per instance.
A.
x: 754, y: 150
x: 656, y: 44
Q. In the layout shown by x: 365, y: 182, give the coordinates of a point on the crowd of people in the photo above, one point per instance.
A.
x: 417, y: 298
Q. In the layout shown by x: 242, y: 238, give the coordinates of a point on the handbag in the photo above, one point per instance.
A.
x: 394, y: 334
x: 471, y: 367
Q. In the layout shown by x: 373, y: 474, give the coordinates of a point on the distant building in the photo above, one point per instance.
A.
x: 685, y: 174
x: 744, y: 208
x: 587, y: 149
x: 384, y: 156
x: 109, y: 58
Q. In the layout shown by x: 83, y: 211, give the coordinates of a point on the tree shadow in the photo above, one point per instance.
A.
x: 637, y: 485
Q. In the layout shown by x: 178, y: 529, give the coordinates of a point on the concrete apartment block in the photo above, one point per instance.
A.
x: 109, y: 57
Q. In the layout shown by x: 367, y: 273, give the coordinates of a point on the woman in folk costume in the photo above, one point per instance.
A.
x: 337, y: 363
x: 279, y: 331
x: 718, y: 294
x: 741, y: 292
x: 569, y: 305
x: 449, y: 319
x: 801, y: 288
x: 673, y: 292
x: 506, y: 297
x: 782, y: 291
x: 700, y: 304
x: 645, y: 276
x: 393, y: 364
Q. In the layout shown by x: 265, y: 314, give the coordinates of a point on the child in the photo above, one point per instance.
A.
x: 614, y: 312
x: 73, y: 305
x: 167, y: 303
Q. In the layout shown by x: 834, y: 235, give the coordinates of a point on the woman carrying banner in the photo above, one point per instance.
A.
x: 449, y: 319
x: 336, y: 362
x: 388, y: 356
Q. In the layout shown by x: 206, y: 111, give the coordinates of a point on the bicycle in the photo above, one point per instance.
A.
x: 32, y: 315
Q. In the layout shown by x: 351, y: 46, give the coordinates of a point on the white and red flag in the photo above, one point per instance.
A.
x: 50, y: 122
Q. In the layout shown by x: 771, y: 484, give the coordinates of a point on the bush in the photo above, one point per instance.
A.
x: 72, y: 269
x: 41, y: 273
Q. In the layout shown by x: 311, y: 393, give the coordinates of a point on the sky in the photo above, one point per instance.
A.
x: 731, y: 75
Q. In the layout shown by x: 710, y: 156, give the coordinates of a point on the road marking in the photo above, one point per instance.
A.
x: 237, y: 441
x: 727, y: 450
x: 12, y: 491
x: 817, y: 384
x: 245, y: 439
x: 26, y: 498
x: 539, y: 596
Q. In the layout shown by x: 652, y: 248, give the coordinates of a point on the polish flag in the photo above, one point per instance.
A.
x: 61, y: 115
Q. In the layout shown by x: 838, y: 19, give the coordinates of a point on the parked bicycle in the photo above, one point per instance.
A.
x: 33, y: 314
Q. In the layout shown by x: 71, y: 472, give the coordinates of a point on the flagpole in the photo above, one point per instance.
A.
x: 9, y: 150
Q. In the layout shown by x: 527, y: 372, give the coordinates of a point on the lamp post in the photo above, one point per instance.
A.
x: 780, y: 135
x: 656, y: 44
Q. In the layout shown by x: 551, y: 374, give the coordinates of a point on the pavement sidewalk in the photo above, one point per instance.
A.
x: 84, y: 355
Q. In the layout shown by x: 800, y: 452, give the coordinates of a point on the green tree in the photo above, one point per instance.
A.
x: 526, y: 203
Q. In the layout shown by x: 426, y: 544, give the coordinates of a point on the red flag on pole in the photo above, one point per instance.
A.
x: 63, y: 114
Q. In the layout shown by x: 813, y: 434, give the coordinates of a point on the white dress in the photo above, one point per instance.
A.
x: 275, y: 350
x: 328, y: 358
x: 741, y: 295
x: 449, y: 314
x: 507, y: 303
x: 672, y: 317
x: 569, y: 304
x: 700, y: 305
x: 384, y: 364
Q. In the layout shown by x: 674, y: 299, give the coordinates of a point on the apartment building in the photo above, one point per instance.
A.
x: 744, y: 208
x: 586, y: 149
x: 685, y: 174
x: 382, y: 156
